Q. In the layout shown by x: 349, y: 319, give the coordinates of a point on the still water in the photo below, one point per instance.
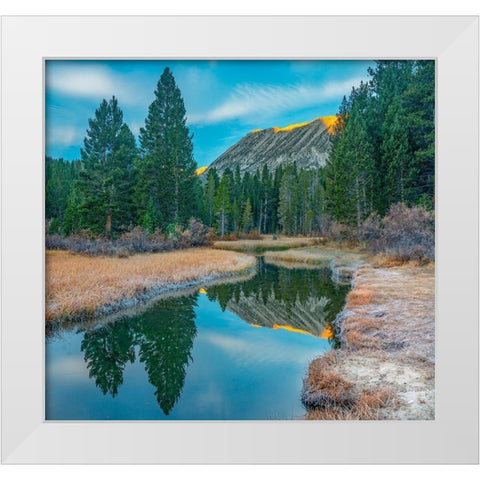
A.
x: 234, y: 351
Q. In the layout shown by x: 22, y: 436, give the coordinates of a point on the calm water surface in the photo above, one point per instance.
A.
x: 235, y: 351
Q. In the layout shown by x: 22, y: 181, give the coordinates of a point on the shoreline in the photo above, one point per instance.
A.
x: 385, y: 367
x: 136, y: 306
x: 155, y: 280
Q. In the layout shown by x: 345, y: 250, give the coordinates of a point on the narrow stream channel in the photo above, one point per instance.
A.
x: 234, y: 351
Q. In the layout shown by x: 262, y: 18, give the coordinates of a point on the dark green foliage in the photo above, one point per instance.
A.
x: 166, y: 170
x: 222, y: 206
x: 105, y: 183
x: 164, y: 337
x: 59, y: 178
x: 383, y: 149
x: 247, y: 217
x: 54, y: 226
x: 71, y: 221
x: 288, y: 206
x: 210, y: 192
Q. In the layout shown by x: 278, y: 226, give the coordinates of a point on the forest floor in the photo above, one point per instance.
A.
x: 385, y: 368
x: 79, y: 287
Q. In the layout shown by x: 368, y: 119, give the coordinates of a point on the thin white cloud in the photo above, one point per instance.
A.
x: 93, y: 82
x: 253, y: 349
x: 251, y: 101
x: 64, y: 135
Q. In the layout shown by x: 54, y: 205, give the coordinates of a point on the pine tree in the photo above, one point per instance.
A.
x: 350, y: 169
x: 71, y: 221
x: 121, y: 181
x: 100, y: 156
x: 247, y: 217
x: 222, y: 207
x: 288, y: 201
x: 265, y: 199
x: 396, y: 154
x: 167, y: 167
x: 59, y: 178
x: 211, y: 186
x: 419, y: 104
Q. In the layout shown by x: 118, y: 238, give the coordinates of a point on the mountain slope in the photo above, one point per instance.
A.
x: 305, y: 143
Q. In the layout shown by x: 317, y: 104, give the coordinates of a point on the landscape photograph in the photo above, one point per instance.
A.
x: 239, y: 240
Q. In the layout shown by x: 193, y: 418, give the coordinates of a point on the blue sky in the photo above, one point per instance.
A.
x: 224, y: 99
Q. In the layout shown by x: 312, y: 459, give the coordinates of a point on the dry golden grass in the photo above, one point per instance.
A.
x: 78, y: 285
x: 340, y: 399
x: 370, y: 405
x: 331, y: 385
x: 359, y: 296
x: 316, y: 255
x: 266, y: 242
x: 388, y: 345
x: 358, y: 340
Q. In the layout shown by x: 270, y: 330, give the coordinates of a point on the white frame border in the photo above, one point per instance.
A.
x: 451, y: 438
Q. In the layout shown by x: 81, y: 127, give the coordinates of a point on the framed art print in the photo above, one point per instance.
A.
x: 214, y: 234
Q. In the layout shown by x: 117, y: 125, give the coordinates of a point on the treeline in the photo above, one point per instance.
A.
x: 382, y: 154
x: 287, y: 200
x: 383, y: 149
x: 117, y: 185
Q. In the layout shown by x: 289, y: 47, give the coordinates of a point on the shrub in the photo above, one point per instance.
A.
x: 336, y: 231
x: 197, y: 234
x: 253, y: 235
x: 55, y: 242
x: 232, y: 236
x: 135, y: 241
x: 404, y: 234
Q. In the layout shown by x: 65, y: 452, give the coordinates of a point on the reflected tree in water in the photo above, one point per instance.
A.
x: 166, y: 340
x: 107, y: 350
x: 164, y: 336
x: 307, y: 300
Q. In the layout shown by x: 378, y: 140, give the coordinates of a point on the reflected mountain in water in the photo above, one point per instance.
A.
x: 162, y: 337
x: 300, y: 300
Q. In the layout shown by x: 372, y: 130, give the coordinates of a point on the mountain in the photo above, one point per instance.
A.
x: 305, y: 143
x: 309, y: 316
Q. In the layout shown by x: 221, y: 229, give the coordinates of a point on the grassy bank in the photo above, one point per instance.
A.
x: 343, y: 262
x: 266, y: 243
x: 80, y: 286
x: 385, y: 368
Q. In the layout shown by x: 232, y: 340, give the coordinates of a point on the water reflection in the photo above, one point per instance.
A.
x: 164, y: 337
x: 300, y: 300
x: 157, y: 348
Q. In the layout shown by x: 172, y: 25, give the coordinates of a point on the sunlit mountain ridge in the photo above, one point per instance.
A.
x: 306, y: 143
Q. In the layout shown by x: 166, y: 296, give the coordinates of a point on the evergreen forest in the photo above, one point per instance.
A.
x: 382, y: 154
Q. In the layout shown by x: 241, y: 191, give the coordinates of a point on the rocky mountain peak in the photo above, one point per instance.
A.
x: 305, y: 143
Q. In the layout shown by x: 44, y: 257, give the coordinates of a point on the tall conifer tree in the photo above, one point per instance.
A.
x: 167, y: 167
x: 104, y: 183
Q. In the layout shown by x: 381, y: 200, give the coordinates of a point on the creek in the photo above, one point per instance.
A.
x: 231, y: 351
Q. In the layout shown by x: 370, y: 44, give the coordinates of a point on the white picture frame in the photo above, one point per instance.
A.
x: 451, y: 438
